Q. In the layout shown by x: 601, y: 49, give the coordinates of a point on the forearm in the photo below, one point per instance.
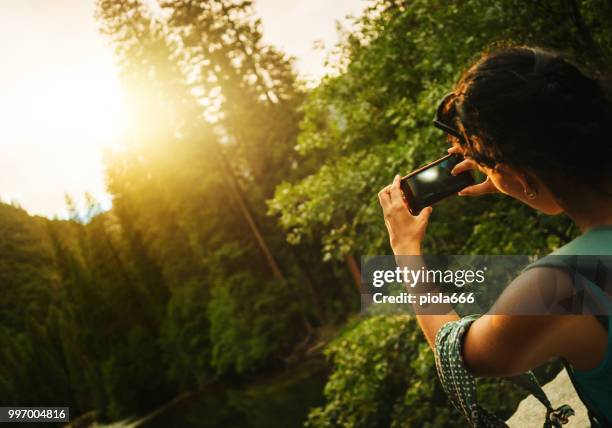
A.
x: 431, y: 317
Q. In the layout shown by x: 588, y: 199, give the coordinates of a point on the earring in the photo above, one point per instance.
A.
x: 530, y: 193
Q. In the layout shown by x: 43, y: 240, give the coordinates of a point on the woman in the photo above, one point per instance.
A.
x: 540, y: 129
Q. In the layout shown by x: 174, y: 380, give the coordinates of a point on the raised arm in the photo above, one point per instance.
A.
x: 406, y: 233
x: 500, y: 345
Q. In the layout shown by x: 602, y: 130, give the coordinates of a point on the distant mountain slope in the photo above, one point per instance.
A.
x: 26, y: 266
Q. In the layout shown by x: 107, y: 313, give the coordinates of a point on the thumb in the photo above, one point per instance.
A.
x: 424, y: 214
x: 483, y: 188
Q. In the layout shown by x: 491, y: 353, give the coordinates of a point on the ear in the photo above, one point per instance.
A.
x: 527, y: 181
x: 519, y: 180
x: 510, y: 172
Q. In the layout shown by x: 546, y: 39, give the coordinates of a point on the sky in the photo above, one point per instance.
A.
x: 61, y: 102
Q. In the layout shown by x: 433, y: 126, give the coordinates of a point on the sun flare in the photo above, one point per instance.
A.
x: 62, y: 118
x: 61, y: 104
x: 88, y: 107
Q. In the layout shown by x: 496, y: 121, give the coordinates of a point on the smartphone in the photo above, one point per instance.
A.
x: 434, y: 182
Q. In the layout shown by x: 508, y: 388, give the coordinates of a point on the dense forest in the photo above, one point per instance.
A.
x: 226, y: 274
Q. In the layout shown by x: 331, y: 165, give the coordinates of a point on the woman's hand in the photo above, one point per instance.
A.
x: 483, y: 188
x: 406, y: 231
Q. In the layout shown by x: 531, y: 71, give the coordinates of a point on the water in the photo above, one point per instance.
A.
x: 279, y: 401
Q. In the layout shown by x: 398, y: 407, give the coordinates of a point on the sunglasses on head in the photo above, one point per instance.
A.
x: 438, y: 122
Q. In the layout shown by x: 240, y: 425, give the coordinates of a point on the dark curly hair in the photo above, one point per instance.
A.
x: 535, y: 110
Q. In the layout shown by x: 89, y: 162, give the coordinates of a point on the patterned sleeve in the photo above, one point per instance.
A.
x: 460, y: 385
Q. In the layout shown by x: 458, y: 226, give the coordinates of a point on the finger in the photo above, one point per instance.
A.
x: 464, y: 165
x: 397, y: 198
x: 479, y: 189
x: 455, y: 150
x: 384, y: 197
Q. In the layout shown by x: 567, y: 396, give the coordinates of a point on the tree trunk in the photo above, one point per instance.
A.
x: 355, y: 271
x: 248, y: 217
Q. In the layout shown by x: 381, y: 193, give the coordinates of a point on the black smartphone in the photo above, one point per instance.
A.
x: 434, y: 182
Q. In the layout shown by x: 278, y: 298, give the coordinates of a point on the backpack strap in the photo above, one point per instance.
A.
x: 575, y: 269
x: 571, y: 265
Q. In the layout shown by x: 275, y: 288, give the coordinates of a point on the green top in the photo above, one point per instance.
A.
x: 595, y: 385
x: 594, y: 242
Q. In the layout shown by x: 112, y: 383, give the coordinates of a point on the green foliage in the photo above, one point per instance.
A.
x: 131, y: 375
x: 185, y: 338
x: 173, y: 288
x: 372, y: 120
x: 250, y: 322
x: 384, y: 375
x: 25, y: 277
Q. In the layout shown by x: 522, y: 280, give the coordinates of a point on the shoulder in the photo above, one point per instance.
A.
x: 539, y: 290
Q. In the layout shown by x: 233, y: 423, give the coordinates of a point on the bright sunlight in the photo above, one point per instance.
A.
x: 60, y: 104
